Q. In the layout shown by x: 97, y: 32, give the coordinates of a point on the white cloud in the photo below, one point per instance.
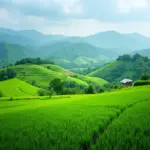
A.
x: 128, y: 5
x: 70, y: 6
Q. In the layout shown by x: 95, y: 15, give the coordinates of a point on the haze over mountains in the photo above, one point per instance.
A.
x: 67, y: 51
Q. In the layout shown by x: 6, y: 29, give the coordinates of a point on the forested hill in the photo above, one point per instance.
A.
x: 125, y: 66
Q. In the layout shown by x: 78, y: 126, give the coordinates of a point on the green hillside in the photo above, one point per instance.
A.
x: 73, y: 55
x: 118, y: 119
x: 42, y: 76
x: 119, y: 69
x: 9, y: 53
x: 16, y: 87
x: 90, y: 80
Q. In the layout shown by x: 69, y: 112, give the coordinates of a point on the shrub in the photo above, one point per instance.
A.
x: 1, y: 94
x: 142, y: 82
x: 42, y: 92
x: 90, y: 90
x: 145, y: 76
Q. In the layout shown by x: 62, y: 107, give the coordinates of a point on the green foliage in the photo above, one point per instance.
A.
x: 16, y: 87
x: 124, y: 57
x: 145, y: 76
x: 33, y: 61
x: 123, y: 68
x: 7, y: 74
x: 90, y: 90
x: 1, y: 94
x: 142, y: 82
x: 57, y: 85
x: 42, y: 92
x: 101, y: 121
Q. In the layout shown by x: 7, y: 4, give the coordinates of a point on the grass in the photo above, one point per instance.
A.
x: 106, y: 72
x: 16, y: 87
x: 75, y: 122
x: 42, y: 75
x: 135, y: 130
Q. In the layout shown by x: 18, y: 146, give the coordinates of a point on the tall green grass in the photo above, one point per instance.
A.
x: 16, y: 87
x: 71, y: 122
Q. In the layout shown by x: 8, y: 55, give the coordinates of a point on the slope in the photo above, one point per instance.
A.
x: 118, y: 70
x: 79, y: 54
x: 42, y: 76
x: 16, y: 87
x: 9, y: 53
x: 89, y: 80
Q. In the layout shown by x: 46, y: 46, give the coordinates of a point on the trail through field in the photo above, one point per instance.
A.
x: 97, y: 135
x: 78, y: 122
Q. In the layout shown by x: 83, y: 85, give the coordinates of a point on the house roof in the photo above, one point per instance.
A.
x: 126, y: 81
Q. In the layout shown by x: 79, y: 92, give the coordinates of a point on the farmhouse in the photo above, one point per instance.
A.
x: 126, y: 82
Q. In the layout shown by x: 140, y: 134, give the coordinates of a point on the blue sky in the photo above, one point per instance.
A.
x: 76, y: 17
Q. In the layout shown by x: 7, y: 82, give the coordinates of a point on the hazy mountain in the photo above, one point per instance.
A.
x: 28, y: 37
x: 144, y: 52
x: 9, y: 53
x: 80, y: 53
x: 122, y: 42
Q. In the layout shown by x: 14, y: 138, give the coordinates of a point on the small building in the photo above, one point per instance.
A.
x: 126, y: 82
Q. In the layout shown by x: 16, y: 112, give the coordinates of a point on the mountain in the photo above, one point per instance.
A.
x: 118, y: 41
x: 131, y: 68
x: 78, y: 54
x: 9, y: 53
x: 28, y: 37
x: 144, y: 52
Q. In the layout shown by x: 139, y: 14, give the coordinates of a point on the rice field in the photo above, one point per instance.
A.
x: 110, y: 120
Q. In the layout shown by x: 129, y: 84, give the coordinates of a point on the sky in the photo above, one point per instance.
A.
x: 76, y: 17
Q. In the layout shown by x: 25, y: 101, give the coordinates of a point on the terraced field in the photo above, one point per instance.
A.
x: 16, y: 87
x: 104, y: 121
x: 43, y: 76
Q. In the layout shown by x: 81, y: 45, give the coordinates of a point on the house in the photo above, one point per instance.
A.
x: 126, y: 82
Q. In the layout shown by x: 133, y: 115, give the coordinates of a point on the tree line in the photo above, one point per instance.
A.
x: 36, y: 61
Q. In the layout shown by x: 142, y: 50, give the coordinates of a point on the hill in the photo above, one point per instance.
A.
x: 41, y: 75
x: 130, y: 67
x: 79, y: 54
x: 16, y: 87
x: 144, y: 52
x: 9, y: 53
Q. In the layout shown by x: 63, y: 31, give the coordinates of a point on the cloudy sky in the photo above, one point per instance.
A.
x: 76, y: 17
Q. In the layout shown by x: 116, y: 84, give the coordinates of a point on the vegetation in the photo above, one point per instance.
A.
x: 125, y: 66
x: 99, y: 121
x: 7, y: 74
x: 142, y: 82
x: 41, y: 75
x: 16, y: 87
x: 37, y: 61
x: 57, y: 85
x: 1, y: 94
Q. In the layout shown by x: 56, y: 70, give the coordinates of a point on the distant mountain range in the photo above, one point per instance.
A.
x: 70, y: 51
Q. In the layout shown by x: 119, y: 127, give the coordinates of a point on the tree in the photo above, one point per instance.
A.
x: 57, y: 85
x: 124, y: 57
x: 145, y: 76
x: 90, y: 90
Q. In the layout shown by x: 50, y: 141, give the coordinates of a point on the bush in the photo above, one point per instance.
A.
x: 1, y: 94
x: 145, y: 76
x: 90, y: 90
x: 42, y: 92
x: 7, y: 74
x: 142, y: 82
